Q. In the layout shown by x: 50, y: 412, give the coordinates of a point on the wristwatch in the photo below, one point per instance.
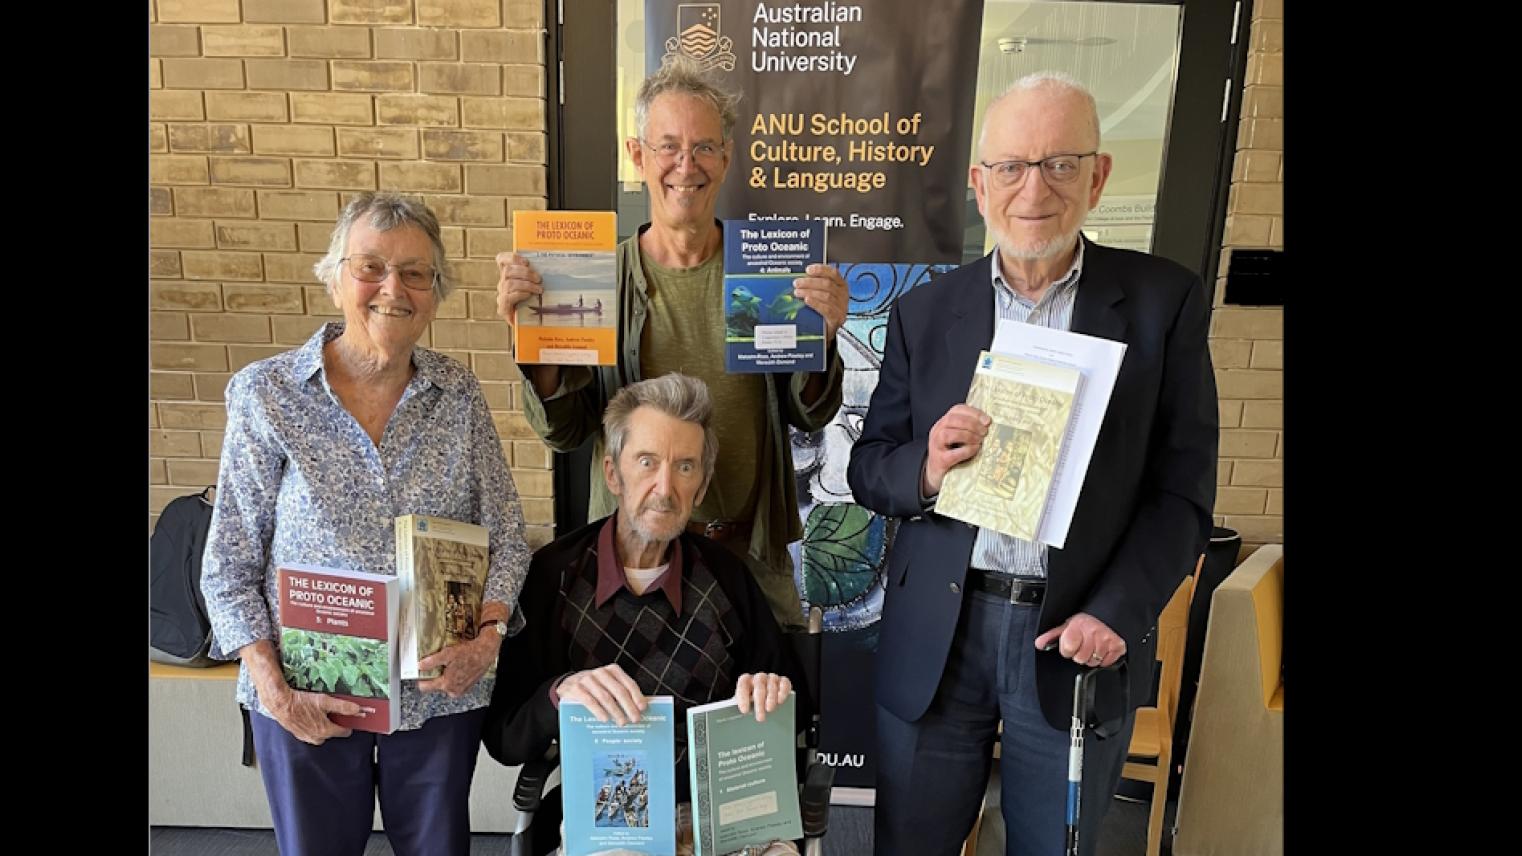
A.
x: 498, y: 624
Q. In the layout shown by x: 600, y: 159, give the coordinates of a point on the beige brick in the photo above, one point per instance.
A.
x: 495, y: 367
x: 538, y: 536
x: 213, y: 202
x: 533, y: 483
x: 425, y: 177
x: 528, y: 453
x: 186, y: 357
x: 243, y: 41
x: 483, y: 112
x: 1270, y: 70
x: 459, y: 78
x: 230, y: 328
x: 515, y: 113
x: 189, y: 296
x: 180, y: 104
x: 203, y: 73
x: 1260, y: 166
x: 313, y: 237
x: 319, y: 303
x: 369, y: 76
x: 538, y: 511
x: 1260, y: 198
x: 179, y: 232
x: 211, y: 444
x: 229, y: 139
x: 198, y: 11
x: 256, y: 236
x: 482, y: 306
x: 292, y: 140
x: 285, y: 74
x: 329, y: 42
x: 1263, y: 473
x: 476, y: 274
x: 163, y: 263
x: 239, y: 356
x: 378, y: 143
x: 168, y: 327
x: 1268, y: 9
x: 290, y: 267
x: 481, y: 335
x: 523, y: 81
x: 501, y: 46
x: 1266, y: 134
x: 1268, y: 36
x: 462, y: 145
x: 427, y: 110
x: 1222, y: 473
x: 1240, y: 500
x: 370, y: 11
x: 166, y: 40
x: 331, y: 108
x: 192, y: 472
x: 1276, y: 233
x: 263, y: 172
x: 459, y: 13
x: 158, y: 140
x: 1247, y: 230
x: 1247, y: 324
x: 171, y: 386
x: 246, y: 107
x: 193, y: 416
x: 293, y: 330
x: 336, y: 174
x: 453, y: 309
x: 1248, y: 444
x: 522, y: 14
x: 222, y: 265
x: 284, y: 11
x: 157, y: 472
x: 1268, y: 355
x: 1264, y: 102
x: 486, y: 243
x: 265, y: 299
x: 526, y: 203
x: 450, y: 334
x: 178, y: 169
x: 1263, y: 414
x: 174, y: 444
x: 1257, y: 528
x: 1275, y: 502
x: 498, y: 396
x: 1230, y: 353
x: 298, y: 205
x: 504, y: 180
x: 155, y: 74
x: 1230, y: 413
x: 1250, y: 383
x: 392, y: 43
x: 454, y: 241
x: 527, y: 146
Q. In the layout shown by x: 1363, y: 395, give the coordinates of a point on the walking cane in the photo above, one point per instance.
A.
x: 1083, y: 708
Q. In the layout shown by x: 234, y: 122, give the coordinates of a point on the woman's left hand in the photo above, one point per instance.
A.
x: 463, y: 664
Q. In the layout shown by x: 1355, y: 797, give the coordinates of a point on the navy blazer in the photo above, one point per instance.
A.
x: 1144, y: 514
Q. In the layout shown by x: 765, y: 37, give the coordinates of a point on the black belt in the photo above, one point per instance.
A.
x: 1024, y: 591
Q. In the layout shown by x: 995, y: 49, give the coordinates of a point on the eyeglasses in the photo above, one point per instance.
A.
x: 668, y: 152
x: 1057, y: 170
x: 368, y: 268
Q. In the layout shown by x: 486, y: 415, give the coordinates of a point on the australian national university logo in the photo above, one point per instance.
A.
x: 697, y: 27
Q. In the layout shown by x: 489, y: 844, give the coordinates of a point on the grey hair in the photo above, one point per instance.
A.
x: 387, y: 211
x: 1043, y: 80
x: 677, y: 395
x: 683, y: 75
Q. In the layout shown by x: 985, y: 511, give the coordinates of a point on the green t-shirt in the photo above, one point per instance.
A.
x: 685, y: 333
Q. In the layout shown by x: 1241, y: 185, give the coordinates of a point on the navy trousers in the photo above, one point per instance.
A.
x: 932, y: 773
x: 322, y: 798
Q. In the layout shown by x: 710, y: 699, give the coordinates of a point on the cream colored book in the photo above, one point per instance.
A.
x: 442, y: 565
x: 1006, y: 485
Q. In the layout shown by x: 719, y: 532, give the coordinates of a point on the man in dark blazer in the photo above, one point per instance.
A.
x: 968, y: 610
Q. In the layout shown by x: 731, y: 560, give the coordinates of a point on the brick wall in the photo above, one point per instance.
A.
x: 1247, y: 343
x: 265, y: 116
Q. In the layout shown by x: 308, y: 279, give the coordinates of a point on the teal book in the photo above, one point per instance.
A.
x: 744, y: 777
x: 618, y: 782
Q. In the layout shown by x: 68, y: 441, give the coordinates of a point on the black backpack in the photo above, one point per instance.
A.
x: 179, y: 631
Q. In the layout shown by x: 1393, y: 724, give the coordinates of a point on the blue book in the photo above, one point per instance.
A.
x: 767, y: 328
x: 618, y: 782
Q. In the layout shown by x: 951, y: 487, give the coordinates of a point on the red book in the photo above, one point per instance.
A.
x: 338, y: 637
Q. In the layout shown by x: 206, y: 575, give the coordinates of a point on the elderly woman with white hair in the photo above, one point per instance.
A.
x: 325, y: 446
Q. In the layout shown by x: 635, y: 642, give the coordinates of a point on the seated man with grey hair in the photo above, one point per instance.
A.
x: 683, y: 614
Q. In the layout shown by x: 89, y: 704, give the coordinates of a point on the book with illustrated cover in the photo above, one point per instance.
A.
x: 618, y: 782
x: 744, y: 777
x: 441, y: 565
x: 337, y: 636
x: 766, y: 327
x: 1005, y: 486
x: 575, y: 320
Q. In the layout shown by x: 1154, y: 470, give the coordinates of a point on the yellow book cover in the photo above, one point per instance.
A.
x: 1006, y: 485
x: 575, y: 320
x: 441, y: 564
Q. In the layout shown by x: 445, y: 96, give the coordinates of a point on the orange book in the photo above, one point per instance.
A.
x: 575, y: 320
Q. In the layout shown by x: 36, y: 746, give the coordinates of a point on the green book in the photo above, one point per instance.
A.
x: 744, y: 777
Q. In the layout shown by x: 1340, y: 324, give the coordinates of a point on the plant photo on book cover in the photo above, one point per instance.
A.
x: 329, y: 663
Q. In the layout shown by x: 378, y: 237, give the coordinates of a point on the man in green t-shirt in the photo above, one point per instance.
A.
x: 670, y: 281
